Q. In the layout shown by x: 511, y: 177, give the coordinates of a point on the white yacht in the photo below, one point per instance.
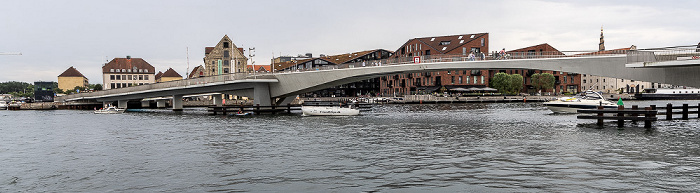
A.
x: 586, y: 100
x: 110, y: 110
x: 329, y: 111
x: 3, y: 105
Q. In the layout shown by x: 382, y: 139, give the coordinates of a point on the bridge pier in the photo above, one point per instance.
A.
x: 177, y: 102
x: 160, y: 103
x: 122, y: 104
x: 145, y: 104
x: 283, y: 101
x: 217, y: 100
x: 261, y: 94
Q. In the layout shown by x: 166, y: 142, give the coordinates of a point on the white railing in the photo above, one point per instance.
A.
x: 664, y: 54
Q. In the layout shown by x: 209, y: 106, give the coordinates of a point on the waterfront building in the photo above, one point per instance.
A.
x: 564, y: 82
x: 126, y: 72
x: 431, y: 82
x: 355, y: 59
x: 72, y: 78
x: 43, y: 91
x: 197, y: 72
x: 168, y: 75
x: 281, y: 59
x: 616, y: 85
x: 224, y: 58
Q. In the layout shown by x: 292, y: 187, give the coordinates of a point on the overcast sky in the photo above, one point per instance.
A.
x: 54, y: 35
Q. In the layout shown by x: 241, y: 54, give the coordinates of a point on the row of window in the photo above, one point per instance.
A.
x: 598, y: 80
x: 123, y: 85
x: 129, y: 70
x: 128, y: 77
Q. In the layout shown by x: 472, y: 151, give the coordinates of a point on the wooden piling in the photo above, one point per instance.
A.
x: 620, y: 115
x: 685, y: 112
x: 600, y: 121
x: 647, y: 122
x: 669, y: 111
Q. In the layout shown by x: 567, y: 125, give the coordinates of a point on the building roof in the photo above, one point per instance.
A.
x: 455, y: 41
x: 160, y: 74
x: 128, y: 63
x: 545, y: 47
x: 71, y: 72
x: 170, y: 73
x: 208, y: 49
x: 615, y: 51
x: 258, y: 67
x: 334, y: 59
x: 194, y: 71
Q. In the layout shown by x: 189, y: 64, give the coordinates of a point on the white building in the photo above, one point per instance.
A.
x: 126, y: 72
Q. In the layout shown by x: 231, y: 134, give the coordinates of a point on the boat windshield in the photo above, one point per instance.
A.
x: 589, y: 95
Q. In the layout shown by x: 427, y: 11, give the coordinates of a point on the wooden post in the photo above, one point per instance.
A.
x: 647, y: 123
x: 257, y: 108
x: 620, y: 117
x: 685, y: 111
x: 289, y: 108
x: 635, y: 107
x: 669, y: 111
x: 600, y: 116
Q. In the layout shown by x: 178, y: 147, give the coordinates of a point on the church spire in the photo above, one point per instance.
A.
x: 601, y: 45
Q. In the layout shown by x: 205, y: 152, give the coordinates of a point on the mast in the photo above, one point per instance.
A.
x: 188, y: 63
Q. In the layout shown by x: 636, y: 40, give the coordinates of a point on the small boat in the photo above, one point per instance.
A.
x: 586, y: 100
x: 243, y: 114
x: 110, y: 110
x: 669, y: 94
x: 3, y: 105
x: 329, y: 111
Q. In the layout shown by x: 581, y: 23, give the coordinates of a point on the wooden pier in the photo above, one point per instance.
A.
x: 648, y: 114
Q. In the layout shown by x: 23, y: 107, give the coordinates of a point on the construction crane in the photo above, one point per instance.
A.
x: 10, y: 53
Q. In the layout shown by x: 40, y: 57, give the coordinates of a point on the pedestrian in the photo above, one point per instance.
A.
x: 363, y: 63
x: 380, y: 62
x: 471, y: 56
x: 482, y: 56
x: 502, y: 54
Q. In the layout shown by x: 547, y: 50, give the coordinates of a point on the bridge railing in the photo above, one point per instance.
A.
x: 664, y: 54
x: 164, y: 85
x: 451, y: 58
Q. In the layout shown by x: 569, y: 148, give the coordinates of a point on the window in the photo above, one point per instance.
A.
x: 226, y: 54
x: 603, y: 80
x: 584, y: 80
x: 482, y: 79
x: 459, y: 38
x: 482, y: 42
x: 453, y: 79
x: 135, y: 77
x: 225, y: 70
x: 564, y: 79
x: 140, y: 77
x: 119, y: 77
x: 123, y: 77
x: 123, y: 85
x: 111, y: 77
x: 145, y: 70
x: 111, y: 85
x: 145, y: 77
x: 444, y: 43
x: 111, y: 70
x: 119, y: 85
x: 460, y: 80
x: 467, y: 80
x: 226, y: 45
x: 128, y: 70
x: 432, y: 39
x: 128, y: 77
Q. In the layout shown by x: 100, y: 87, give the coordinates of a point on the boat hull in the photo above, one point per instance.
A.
x: 328, y: 111
x: 573, y: 108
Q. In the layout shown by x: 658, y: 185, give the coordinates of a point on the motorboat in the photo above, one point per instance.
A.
x: 669, y: 94
x: 3, y: 104
x: 243, y: 114
x: 329, y: 111
x: 586, y: 100
x: 110, y: 110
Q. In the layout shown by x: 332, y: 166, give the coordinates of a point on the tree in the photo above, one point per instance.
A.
x: 96, y: 87
x: 542, y: 81
x: 501, y: 81
x: 516, y: 83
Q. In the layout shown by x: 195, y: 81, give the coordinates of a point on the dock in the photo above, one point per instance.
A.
x: 256, y: 109
x: 647, y: 114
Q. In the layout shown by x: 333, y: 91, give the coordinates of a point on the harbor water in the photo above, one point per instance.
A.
x: 496, y: 147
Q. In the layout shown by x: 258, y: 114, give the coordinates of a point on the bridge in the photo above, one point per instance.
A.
x: 678, y: 66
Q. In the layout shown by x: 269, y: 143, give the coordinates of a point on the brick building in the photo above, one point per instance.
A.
x: 126, y: 72
x: 224, y: 58
x: 430, y: 82
x: 563, y: 81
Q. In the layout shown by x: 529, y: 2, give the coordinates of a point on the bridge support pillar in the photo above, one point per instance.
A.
x: 122, y: 104
x: 218, y: 100
x: 261, y: 94
x: 177, y: 102
x: 105, y: 104
x: 160, y: 103
x: 145, y: 104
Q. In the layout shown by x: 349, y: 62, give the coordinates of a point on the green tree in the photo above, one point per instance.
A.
x: 501, y: 81
x: 542, y: 81
x: 96, y: 87
x: 516, y: 83
x: 58, y: 90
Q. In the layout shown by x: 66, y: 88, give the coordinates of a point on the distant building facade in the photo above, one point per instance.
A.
x: 431, y: 82
x: 563, y: 81
x: 126, y: 72
x: 43, y: 91
x: 71, y: 78
x: 168, y: 75
x: 224, y: 58
x: 197, y: 72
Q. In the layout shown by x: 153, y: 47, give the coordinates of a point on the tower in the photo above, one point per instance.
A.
x: 601, y: 45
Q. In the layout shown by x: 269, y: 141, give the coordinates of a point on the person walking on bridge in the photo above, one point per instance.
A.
x: 502, y: 54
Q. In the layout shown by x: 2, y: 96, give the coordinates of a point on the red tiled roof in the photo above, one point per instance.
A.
x: 159, y: 75
x: 545, y: 47
x: 208, y: 49
x: 123, y: 63
x: 194, y: 71
x: 170, y: 73
x: 71, y: 72
x: 257, y: 67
